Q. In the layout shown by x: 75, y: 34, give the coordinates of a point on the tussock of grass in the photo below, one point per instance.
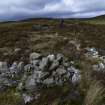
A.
x: 10, y: 97
x: 95, y: 94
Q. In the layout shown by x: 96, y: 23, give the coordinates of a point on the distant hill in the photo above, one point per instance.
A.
x: 99, y: 17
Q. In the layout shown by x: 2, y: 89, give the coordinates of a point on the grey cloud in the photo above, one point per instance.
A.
x: 19, y: 9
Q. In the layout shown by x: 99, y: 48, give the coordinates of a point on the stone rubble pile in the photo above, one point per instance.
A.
x: 100, y: 59
x: 48, y: 71
x: 91, y: 52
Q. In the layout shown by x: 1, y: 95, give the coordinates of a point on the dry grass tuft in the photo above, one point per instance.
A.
x: 10, y: 97
x: 95, y: 94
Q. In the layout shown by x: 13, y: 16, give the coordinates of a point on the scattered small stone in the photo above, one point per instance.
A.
x: 99, y: 67
x: 34, y: 56
x: 27, y: 98
x: 17, y: 50
x: 37, y: 96
x: 92, y: 52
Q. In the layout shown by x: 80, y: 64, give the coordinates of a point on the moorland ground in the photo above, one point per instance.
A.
x: 55, y: 39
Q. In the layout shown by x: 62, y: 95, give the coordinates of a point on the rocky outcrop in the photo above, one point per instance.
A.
x: 49, y: 71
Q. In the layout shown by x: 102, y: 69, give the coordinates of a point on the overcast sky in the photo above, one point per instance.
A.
x: 19, y: 9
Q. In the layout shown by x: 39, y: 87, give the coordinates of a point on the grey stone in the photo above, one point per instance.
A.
x: 92, y: 51
x: 35, y: 62
x: 61, y: 70
x: 66, y: 64
x: 44, y: 75
x: 20, y: 86
x: 20, y: 66
x: 76, y: 78
x: 37, y: 96
x: 37, y: 74
x: 54, y: 65
x: 50, y: 70
x: 24, y: 77
x: 58, y: 81
x: 28, y: 68
x: 51, y: 57
x: 13, y: 69
x: 59, y: 57
x: 30, y: 83
x: 3, y: 67
x: 74, y: 75
x: 36, y: 68
x: 99, y: 67
x: 5, y: 82
x: 27, y: 98
x: 48, y: 81
x: 17, y: 50
x: 34, y: 56
x: 44, y: 63
x: 54, y: 73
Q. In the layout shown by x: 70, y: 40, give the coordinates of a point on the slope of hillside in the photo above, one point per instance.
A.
x: 99, y: 20
x: 25, y: 34
x: 48, y: 37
